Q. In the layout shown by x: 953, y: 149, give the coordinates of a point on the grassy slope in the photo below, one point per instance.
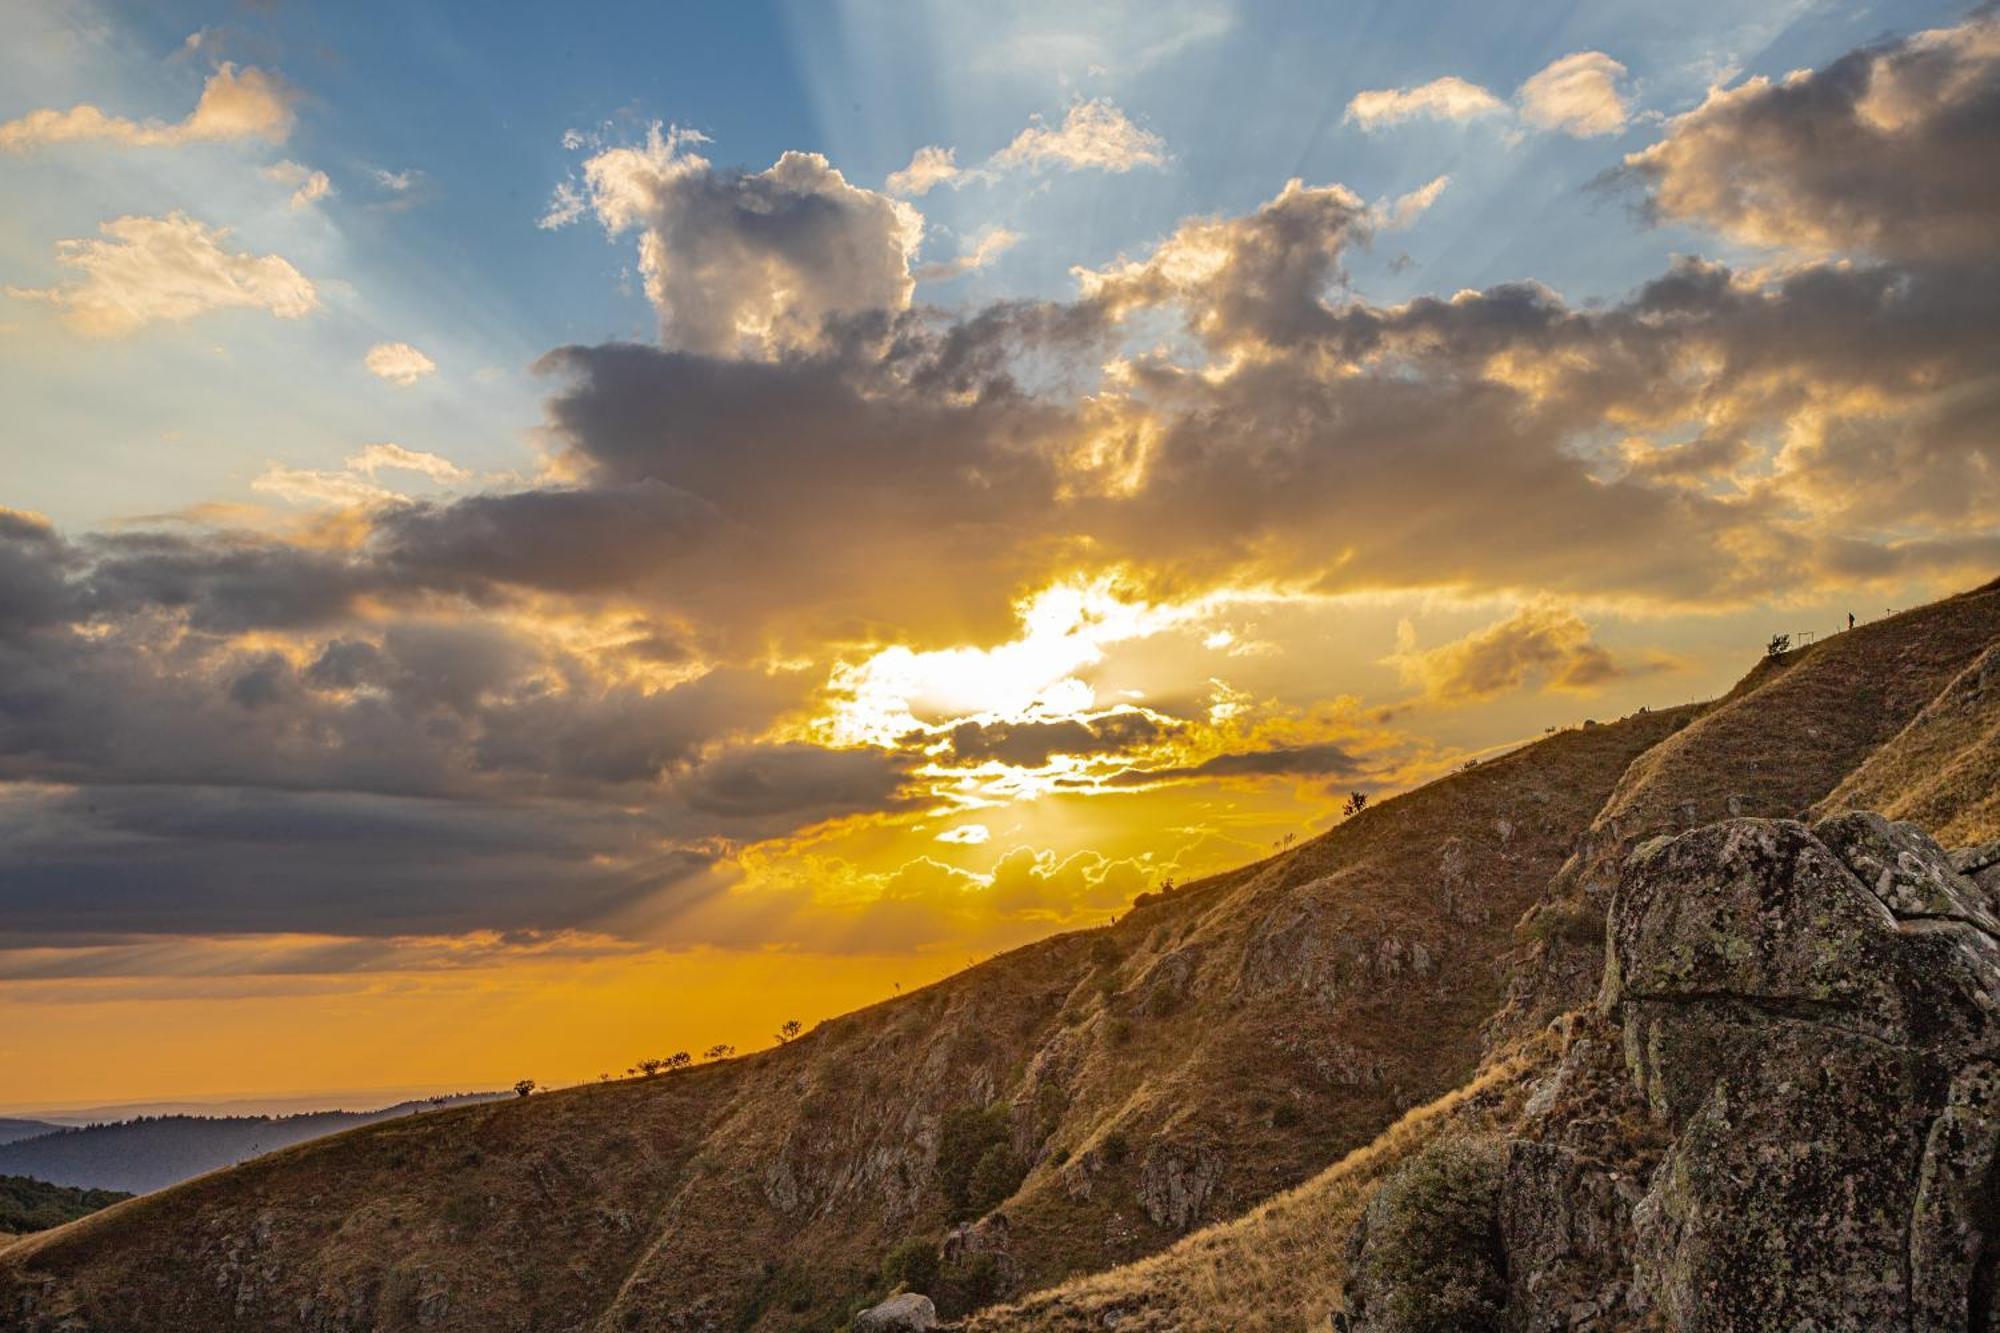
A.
x: 1939, y: 771
x: 1243, y: 1035
x: 1792, y: 729
x: 1278, y: 1268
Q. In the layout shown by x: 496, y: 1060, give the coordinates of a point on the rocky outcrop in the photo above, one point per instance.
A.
x: 1785, y: 1112
x: 1175, y: 1184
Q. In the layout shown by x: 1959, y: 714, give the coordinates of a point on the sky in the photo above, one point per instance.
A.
x: 531, y: 540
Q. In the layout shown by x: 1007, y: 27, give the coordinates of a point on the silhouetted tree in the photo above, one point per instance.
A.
x: 722, y: 1050
x: 648, y: 1067
x: 525, y: 1086
x: 1779, y: 645
x: 789, y: 1029
x: 679, y: 1060
x: 1357, y: 801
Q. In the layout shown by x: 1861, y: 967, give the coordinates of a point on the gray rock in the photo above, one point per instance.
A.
x: 1784, y: 1112
x: 907, y: 1313
x: 1811, y: 1012
x: 1175, y: 1183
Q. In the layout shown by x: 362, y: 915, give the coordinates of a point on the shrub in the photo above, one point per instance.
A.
x: 978, y: 1281
x: 1104, y: 951
x: 1115, y: 1147
x: 1779, y: 645
x: 1431, y: 1260
x: 970, y: 1134
x: 912, y: 1264
x: 997, y: 1175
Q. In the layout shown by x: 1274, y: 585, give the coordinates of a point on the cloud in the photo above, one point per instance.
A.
x: 246, y: 104
x: 1405, y: 209
x: 1314, y: 759
x: 168, y: 269
x: 398, y: 363
x: 1031, y: 744
x: 1577, y: 94
x: 1448, y: 98
x: 1883, y: 152
x: 318, y: 487
x: 394, y: 457
x: 1542, y: 642
x: 1264, y: 275
x: 307, y: 186
x: 356, y: 484
x: 232, y: 861
x: 742, y: 262
x: 1094, y: 135
x: 929, y: 168
x: 800, y: 781
x: 986, y: 247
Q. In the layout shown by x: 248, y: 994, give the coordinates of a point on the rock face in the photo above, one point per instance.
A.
x: 1786, y: 1111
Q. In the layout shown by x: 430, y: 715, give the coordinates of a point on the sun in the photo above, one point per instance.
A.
x: 1064, y: 630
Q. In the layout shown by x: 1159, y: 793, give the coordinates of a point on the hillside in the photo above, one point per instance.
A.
x: 150, y: 1153
x: 1267, y: 1046
x: 1561, y: 1124
x: 1094, y: 1096
x: 35, y: 1205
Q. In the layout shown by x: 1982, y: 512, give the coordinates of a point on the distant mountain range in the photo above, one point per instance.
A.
x: 152, y: 1152
x: 10, y: 1130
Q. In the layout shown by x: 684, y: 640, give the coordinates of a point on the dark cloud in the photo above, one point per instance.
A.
x: 1887, y: 151
x: 1323, y: 758
x: 1032, y: 744
x: 193, y: 861
x: 756, y: 781
x: 224, y: 583
x: 569, y: 540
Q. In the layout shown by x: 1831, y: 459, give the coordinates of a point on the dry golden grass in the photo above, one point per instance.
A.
x: 1792, y: 730
x: 1939, y: 771
x: 1278, y: 1268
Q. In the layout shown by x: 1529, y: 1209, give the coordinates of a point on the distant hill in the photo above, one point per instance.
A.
x: 10, y: 1130
x: 35, y: 1205
x: 152, y: 1152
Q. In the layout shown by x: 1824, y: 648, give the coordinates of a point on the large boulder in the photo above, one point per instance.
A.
x: 905, y: 1313
x: 1811, y: 1013
x: 1783, y: 1114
